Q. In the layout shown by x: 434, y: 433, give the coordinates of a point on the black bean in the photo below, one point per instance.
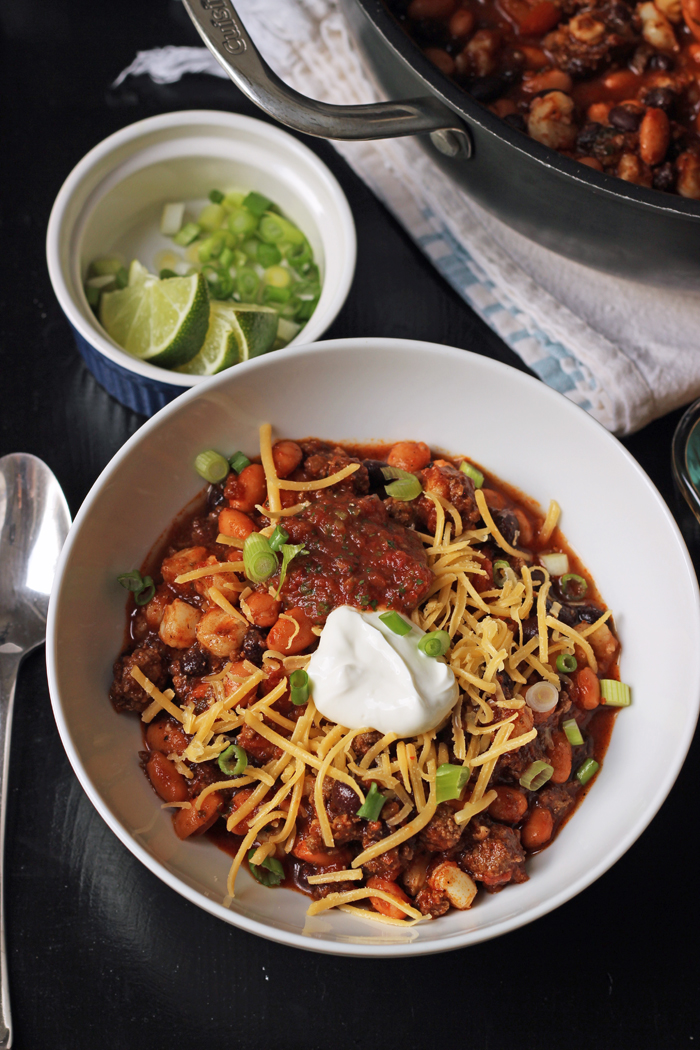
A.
x: 343, y: 799
x: 254, y: 645
x: 515, y: 120
x: 487, y: 89
x: 215, y: 496
x: 508, y: 525
x: 659, y: 98
x: 662, y: 62
x: 506, y: 683
x: 620, y: 13
x: 377, y: 481
x: 194, y: 661
x: 665, y: 178
x: 529, y: 628
x: 625, y: 118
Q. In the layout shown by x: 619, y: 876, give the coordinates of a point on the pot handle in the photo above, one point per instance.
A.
x: 222, y: 31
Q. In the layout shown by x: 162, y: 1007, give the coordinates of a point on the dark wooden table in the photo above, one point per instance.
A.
x: 101, y: 953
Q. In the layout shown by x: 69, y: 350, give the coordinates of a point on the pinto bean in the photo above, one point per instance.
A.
x: 688, y: 185
x: 246, y: 489
x: 537, y: 829
x: 509, y: 805
x: 169, y: 784
x: 599, y: 112
x: 304, y: 850
x: 691, y: 15
x: 166, y: 736
x: 264, y: 609
x: 559, y: 757
x: 394, y: 890
x: 547, y: 80
x: 673, y: 9
x: 409, y: 455
x: 179, y: 625
x: 621, y: 84
x: 535, y: 57
x: 442, y: 59
x: 654, y: 136
x: 588, y: 688
x: 286, y: 455
x: 235, y: 523
x: 283, y: 637
x: 239, y: 669
x: 193, y: 821
x: 551, y: 120
x: 591, y: 162
x: 631, y: 169
x: 540, y: 18
x: 461, y: 23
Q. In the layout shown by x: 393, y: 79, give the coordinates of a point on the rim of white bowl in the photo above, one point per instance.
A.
x: 96, y: 337
x: 663, y: 787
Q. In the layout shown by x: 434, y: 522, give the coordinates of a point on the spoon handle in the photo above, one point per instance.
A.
x: 9, y: 666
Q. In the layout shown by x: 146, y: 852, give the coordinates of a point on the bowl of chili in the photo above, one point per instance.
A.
x: 441, y: 398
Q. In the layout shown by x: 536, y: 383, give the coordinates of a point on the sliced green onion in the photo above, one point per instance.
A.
x: 212, y: 466
x: 471, y: 472
x: 211, y: 247
x: 372, y: 805
x: 122, y: 277
x: 542, y: 697
x: 241, y: 222
x: 259, y: 562
x: 142, y: 587
x: 219, y: 280
x: 435, y: 643
x: 233, y: 761
x: 289, y: 551
x: 303, y: 313
x: 395, y: 623
x: 239, y: 462
x: 615, y: 694
x: 269, y: 873
x: 256, y: 203
x: 573, y: 586
x: 227, y: 258
x: 536, y: 774
x: 299, y: 687
x: 278, y: 537
x: 132, y: 581
x: 100, y: 267
x: 297, y: 255
x: 573, y: 733
x: 216, y: 197
x: 247, y: 283
x: 189, y: 232
x: 211, y: 217
x: 149, y: 589
x: 405, y: 489
x: 274, y: 229
x: 586, y: 770
x: 449, y: 781
x: 268, y: 254
x: 166, y: 274
x: 389, y: 473
x: 566, y: 663
x: 272, y: 294
x: 502, y: 572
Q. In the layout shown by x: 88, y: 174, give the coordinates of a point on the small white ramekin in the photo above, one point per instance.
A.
x: 182, y: 156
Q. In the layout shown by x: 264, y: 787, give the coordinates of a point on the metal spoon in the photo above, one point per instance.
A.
x: 34, y: 522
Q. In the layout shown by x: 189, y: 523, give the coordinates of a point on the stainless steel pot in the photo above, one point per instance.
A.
x: 593, y: 218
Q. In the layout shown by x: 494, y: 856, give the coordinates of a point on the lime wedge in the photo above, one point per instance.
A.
x: 258, y: 325
x: 237, y: 332
x: 221, y: 345
x: 163, y: 322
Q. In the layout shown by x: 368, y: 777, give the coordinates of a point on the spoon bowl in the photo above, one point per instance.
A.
x: 34, y: 522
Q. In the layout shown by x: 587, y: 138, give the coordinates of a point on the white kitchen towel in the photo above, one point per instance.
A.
x: 625, y: 352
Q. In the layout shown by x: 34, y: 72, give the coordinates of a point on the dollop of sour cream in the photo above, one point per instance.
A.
x: 363, y: 674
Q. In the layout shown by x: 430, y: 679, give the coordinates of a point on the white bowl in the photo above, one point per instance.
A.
x: 112, y: 201
x: 359, y: 390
